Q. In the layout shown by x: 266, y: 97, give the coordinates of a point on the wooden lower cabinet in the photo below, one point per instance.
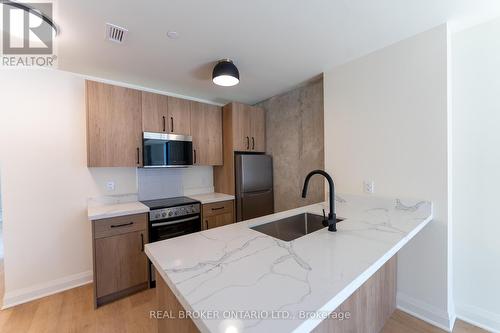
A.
x: 217, y: 214
x: 120, y: 264
x: 218, y: 220
x: 369, y: 307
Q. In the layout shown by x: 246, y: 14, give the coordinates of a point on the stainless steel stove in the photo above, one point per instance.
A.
x: 172, y: 217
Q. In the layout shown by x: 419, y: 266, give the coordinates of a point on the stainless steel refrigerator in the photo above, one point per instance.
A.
x: 254, y: 186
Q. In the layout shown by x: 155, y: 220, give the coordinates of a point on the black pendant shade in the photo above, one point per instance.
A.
x: 225, y: 73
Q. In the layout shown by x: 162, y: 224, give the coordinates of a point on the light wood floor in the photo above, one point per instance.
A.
x: 72, y: 311
x: 403, y: 322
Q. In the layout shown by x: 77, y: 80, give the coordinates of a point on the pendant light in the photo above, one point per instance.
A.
x: 225, y: 73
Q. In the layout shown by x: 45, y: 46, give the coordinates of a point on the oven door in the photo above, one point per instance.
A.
x: 167, y: 150
x: 165, y: 229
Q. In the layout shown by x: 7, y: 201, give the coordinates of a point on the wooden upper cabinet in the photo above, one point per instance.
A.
x: 249, y: 127
x: 257, y: 129
x: 154, y: 112
x: 241, y: 127
x: 114, y: 126
x: 206, y: 129
x: 244, y: 130
x: 179, y: 116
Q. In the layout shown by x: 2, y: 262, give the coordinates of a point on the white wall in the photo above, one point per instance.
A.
x: 476, y: 178
x: 0, y: 197
x: 386, y: 121
x: 45, y: 182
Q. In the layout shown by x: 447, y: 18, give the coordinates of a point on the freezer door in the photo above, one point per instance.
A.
x: 254, y: 173
x: 255, y: 204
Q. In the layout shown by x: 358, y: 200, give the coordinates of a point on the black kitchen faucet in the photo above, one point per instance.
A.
x: 332, y: 217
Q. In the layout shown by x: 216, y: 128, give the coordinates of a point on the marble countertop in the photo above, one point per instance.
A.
x: 207, y: 198
x: 250, y: 282
x: 108, y: 207
x: 105, y: 211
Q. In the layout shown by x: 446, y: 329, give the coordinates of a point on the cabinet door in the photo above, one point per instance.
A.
x: 114, y: 129
x: 206, y: 129
x: 241, y: 127
x: 179, y: 116
x: 258, y: 129
x: 217, y: 221
x: 120, y: 262
x: 154, y: 112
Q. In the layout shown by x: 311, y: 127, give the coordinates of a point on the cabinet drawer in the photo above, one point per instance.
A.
x: 120, y: 225
x: 218, y: 208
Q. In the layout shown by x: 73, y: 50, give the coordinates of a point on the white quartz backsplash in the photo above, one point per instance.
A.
x: 159, y: 183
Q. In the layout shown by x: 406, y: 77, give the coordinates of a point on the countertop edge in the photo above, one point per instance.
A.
x: 309, y: 324
x: 213, y: 197
x: 197, y: 321
x: 125, y: 212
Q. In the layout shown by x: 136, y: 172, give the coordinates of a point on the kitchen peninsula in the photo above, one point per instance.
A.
x: 235, y: 279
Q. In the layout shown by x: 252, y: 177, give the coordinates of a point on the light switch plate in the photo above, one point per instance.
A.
x: 369, y: 186
x: 110, y: 185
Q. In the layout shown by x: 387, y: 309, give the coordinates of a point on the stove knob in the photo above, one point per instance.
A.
x: 176, y: 213
x: 157, y: 215
x: 164, y: 214
x: 170, y: 213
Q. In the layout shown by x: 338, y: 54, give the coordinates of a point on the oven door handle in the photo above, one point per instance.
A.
x: 174, y: 222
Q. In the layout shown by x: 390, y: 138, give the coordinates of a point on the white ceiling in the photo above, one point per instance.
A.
x: 276, y: 44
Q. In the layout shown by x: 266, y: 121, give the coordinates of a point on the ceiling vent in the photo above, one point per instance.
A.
x: 115, y: 33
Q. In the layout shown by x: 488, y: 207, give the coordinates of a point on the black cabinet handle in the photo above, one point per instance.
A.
x: 253, y: 143
x: 164, y: 126
x: 121, y: 225
x: 194, y: 153
x: 218, y: 208
x: 172, y: 123
x: 142, y: 243
x: 248, y: 143
x: 206, y: 224
x: 138, y: 156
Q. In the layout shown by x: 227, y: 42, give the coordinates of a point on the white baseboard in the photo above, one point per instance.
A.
x: 426, y: 312
x: 16, y: 297
x: 479, y: 317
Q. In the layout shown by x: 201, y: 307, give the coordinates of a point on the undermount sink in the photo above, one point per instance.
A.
x: 293, y: 227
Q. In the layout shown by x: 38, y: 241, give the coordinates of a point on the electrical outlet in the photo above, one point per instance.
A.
x: 110, y: 185
x: 369, y: 186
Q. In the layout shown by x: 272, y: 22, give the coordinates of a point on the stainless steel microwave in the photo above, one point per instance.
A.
x: 167, y: 150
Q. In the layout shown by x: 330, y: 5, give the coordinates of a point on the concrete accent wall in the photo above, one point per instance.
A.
x: 294, y: 138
